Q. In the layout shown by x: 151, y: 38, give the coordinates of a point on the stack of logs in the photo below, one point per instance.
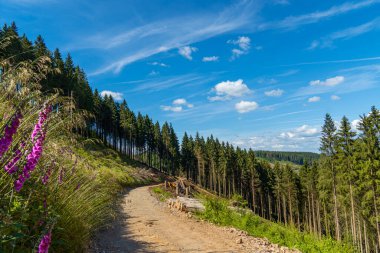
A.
x: 186, y: 204
x: 183, y: 203
x: 180, y: 187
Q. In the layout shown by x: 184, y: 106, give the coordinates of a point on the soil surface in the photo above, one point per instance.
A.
x: 147, y: 225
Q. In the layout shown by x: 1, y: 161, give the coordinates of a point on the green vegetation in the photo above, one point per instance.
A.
x: 218, y: 212
x: 299, y: 158
x: 161, y: 193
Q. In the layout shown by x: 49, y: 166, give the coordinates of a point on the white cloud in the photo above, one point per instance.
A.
x: 355, y: 124
x: 210, y: 58
x: 306, y: 130
x: 244, y: 44
x: 177, y: 105
x: 186, y: 51
x: 347, y: 33
x: 154, y: 73
x: 116, y: 95
x: 287, y: 135
x: 171, y: 108
x: 333, y: 81
x: 303, y: 138
x: 267, y: 81
x: 314, y: 44
x: 274, y: 93
x: 182, y: 101
x: 314, y: 99
x: 236, y: 53
x: 246, y: 106
x: 292, y: 22
x: 355, y: 79
x: 167, y: 82
x: 300, y: 132
x: 161, y: 64
x: 334, y: 97
x: 356, y: 30
x: 228, y: 89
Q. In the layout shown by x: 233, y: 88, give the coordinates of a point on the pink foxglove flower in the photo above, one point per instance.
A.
x: 10, y: 130
x: 11, y: 167
x: 45, y: 243
x: 38, y: 137
x: 46, y: 177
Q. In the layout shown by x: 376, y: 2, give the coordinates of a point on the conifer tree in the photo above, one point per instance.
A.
x: 328, y: 149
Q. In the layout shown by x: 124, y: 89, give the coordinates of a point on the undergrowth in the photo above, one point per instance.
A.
x: 218, y: 212
x: 161, y: 193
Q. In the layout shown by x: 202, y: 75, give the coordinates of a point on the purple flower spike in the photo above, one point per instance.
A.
x: 38, y: 137
x: 10, y: 130
x: 45, y: 243
x: 46, y: 177
x: 11, y: 167
x: 60, y: 178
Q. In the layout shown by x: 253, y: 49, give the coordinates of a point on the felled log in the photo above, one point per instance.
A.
x: 186, y: 204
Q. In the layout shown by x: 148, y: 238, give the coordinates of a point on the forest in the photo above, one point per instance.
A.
x: 334, y: 194
x: 299, y: 158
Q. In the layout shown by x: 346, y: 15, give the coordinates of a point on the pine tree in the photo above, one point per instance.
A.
x: 328, y: 149
x: 345, y: 156
x: 369, y: 167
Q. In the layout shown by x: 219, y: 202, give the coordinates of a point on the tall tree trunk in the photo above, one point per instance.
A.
x: 346, y: 222
x: 284, y: 209
x: 269, y: 207
x: 290, y: 207
x: 319, y: 224
x: 326, y: 221
x: 309, y: 216
x: 360, y: 236
x: 353, y: 222
x: 253, y: 194
x: 336, y: 215
x: 375, y: 206
x: 365, y: 237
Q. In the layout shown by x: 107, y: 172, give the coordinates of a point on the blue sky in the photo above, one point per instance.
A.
x: 259, y: 74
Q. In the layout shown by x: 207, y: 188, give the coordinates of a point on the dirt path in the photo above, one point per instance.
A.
x: 146, y: 225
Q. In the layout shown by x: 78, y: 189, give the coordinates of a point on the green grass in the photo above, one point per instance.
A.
x: 218, y: 212
x: 161, y: 193
x: 112, y: 165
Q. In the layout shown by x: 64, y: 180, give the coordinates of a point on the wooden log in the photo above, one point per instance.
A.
x: 182, y: 184
x: 191, y: 205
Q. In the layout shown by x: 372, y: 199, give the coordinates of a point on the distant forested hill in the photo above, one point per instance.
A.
x: 294, y: 157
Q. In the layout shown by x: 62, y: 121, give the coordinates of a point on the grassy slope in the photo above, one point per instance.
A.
x: 104, y: 175
x: 116, y: 167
